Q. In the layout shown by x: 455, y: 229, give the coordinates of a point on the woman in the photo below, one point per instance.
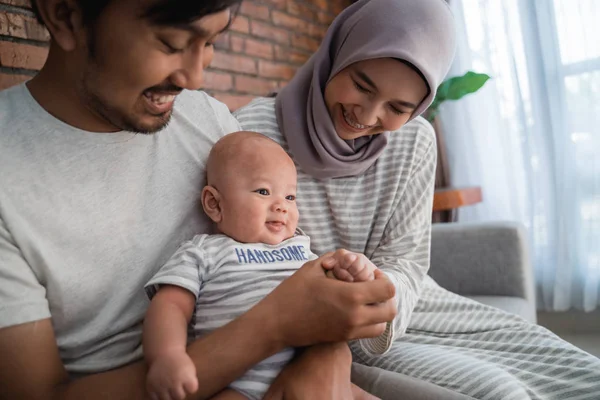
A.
x: 366, y: 168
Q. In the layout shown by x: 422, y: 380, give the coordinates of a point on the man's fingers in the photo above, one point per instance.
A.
x: 378, y: 313
x: 376, y: 291
x: 343, y: 275
x: 369, y: 331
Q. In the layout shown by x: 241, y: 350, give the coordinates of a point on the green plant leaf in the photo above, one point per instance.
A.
x: 460, y: 86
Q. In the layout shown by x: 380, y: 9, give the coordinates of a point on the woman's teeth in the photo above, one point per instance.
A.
x: 353, y: 123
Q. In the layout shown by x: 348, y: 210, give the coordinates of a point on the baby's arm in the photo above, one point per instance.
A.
x: 171, y: 373
x: 349, y: 266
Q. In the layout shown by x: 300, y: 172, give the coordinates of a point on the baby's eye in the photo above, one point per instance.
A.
x: 262, y: 192
x: 291, y: 197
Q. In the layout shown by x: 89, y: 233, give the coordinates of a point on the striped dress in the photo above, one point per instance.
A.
x: 437, y: 336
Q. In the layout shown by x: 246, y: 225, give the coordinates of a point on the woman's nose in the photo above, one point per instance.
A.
x: 367, y: 115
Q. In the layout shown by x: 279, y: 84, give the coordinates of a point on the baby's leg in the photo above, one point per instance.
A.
x: 229, y: 394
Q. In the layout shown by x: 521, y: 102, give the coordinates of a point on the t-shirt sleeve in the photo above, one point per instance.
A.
x: 22, y: 297
x: 184, y: 269
x: 228, y: 122
x: 404, y: 251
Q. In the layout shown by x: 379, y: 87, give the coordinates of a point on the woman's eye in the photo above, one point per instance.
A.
x: 396, y: 111
x: 262, y: 192
x: 291, y: 197
x: 361, y: 88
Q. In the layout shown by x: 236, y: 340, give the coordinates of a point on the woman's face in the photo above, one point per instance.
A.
x: 373, y: 96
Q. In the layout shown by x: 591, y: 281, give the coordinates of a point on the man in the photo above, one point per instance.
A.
x: 99, y: 154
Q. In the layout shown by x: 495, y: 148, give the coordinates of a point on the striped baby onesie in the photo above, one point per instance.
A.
x: 228, y: 278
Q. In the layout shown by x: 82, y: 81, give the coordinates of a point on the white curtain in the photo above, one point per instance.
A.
x: 531, y: 137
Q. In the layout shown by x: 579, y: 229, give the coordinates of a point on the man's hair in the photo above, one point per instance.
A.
x: 161, y: 12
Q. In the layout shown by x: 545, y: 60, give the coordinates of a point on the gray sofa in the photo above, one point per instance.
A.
x: 487, y: 262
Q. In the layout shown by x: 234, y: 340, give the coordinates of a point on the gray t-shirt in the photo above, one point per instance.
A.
x: 86, y: 219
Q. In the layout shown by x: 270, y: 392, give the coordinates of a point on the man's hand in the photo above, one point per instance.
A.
x: 348, y: 266
x: 309, y: 308
x: 321, y: 372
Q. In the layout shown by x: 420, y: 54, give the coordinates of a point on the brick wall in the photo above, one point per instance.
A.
x: 267, y: 42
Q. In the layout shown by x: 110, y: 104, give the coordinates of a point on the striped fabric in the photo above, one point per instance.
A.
x: 487, y: 353
x: 451, y: 341
x: 228, y: 278
x: 384, y: 213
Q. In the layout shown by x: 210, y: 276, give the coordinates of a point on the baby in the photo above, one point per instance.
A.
x: 212, y: 279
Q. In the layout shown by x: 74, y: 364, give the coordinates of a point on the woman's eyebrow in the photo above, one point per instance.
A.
x: 369, y: 82
x: 366, y: 78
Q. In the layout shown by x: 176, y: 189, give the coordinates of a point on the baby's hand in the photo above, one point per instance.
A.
x: 172, y: 377
x: 349, y: 266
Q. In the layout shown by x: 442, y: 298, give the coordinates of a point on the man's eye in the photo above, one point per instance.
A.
x: 291, y: 197
x: 262, y: 192
x: 171, y: 49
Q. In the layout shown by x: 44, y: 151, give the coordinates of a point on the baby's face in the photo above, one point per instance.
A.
x: 258, y: 202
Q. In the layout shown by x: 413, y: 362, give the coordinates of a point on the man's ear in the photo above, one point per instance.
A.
x: 64, y: 21
x: 211, y: 203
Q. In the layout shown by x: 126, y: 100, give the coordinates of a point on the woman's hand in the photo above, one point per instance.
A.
x: 309, y: 308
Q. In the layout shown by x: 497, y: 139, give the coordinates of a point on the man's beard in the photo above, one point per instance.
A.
x: 123, y: 121
x: 101, y: 108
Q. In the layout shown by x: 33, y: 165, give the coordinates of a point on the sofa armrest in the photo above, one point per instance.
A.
x: 482, y: 259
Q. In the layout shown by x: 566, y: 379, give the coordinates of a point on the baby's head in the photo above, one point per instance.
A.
x: 251, y: 189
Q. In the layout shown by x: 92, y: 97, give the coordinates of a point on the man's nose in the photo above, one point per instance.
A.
x: 191, y: 73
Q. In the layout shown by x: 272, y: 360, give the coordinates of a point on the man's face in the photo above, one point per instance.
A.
x: 132, y: 70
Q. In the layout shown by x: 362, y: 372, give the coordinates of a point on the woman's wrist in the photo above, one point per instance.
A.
x: 337, y: 351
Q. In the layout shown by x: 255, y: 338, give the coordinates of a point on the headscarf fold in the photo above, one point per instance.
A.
x: 421, y: 32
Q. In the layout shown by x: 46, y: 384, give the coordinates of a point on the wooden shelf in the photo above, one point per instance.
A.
x: 451, y: 198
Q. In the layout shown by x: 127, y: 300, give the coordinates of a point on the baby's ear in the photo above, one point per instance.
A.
x: 211, y: 203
